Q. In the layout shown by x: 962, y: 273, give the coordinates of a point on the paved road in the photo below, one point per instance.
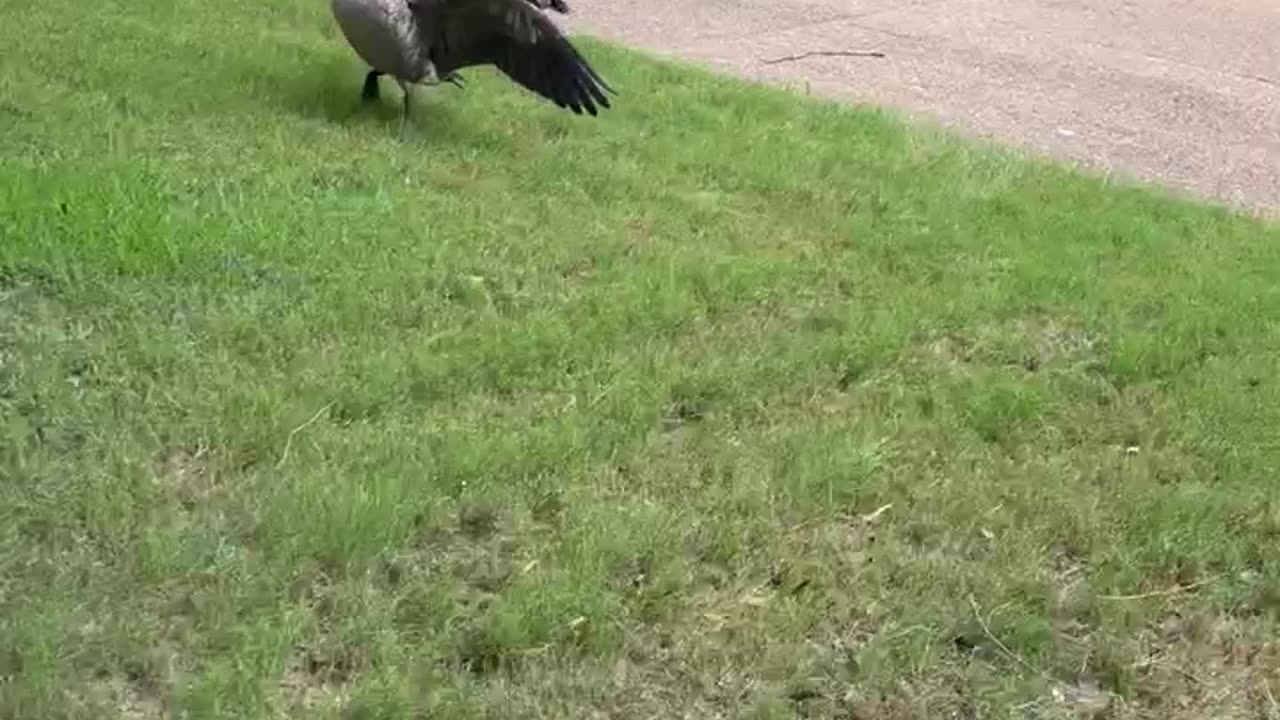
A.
x: 1181, y: 92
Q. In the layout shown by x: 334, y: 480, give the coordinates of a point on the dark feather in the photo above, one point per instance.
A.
x: 515, y: 37
x: 557, y: 5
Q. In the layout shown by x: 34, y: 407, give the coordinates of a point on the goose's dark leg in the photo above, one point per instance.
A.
x: 370, y: 91
x: 404, y: 115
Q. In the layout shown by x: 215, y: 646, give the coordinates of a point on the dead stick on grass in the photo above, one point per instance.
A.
x: 986, y: 630
x: 1160, y: 593
x: 289, y: 440
x: 824, y: 53
x: 1266, y: 688
x: 1187, y: 674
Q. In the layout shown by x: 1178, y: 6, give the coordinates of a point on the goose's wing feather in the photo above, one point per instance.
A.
x: 557, y: 5
x: 519, y: 40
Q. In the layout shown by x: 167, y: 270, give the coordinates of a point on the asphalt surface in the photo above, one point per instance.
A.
x: 1184, y: 93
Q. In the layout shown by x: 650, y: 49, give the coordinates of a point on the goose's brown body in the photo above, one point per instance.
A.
x: 384, y: 34
x: 426, y: 41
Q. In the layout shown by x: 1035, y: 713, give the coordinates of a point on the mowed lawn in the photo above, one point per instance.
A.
x: 726, y: 404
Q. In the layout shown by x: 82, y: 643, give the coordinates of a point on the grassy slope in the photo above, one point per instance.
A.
x: 534, y: 415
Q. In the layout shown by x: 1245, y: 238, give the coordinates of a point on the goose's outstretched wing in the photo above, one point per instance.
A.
x: 518, y: 39
x: 557, y: 5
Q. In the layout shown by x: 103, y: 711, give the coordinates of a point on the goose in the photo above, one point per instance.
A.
x: 426, y: 42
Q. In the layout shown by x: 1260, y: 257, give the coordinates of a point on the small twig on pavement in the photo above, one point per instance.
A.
x: 1160, y: 593
x: 289, y: 441
x: 824, y: 53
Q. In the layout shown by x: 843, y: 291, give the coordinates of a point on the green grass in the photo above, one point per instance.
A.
x: 529, y: 415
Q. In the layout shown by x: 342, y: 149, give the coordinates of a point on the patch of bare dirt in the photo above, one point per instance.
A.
x: 1033, y: 343
x: 129, y: 701
x: 141, y: 691
x: 1200, y: 667
x: 311, y: 683
x: 190, y: 476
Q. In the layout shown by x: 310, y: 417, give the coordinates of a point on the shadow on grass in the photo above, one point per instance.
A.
x: 329, y: 90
